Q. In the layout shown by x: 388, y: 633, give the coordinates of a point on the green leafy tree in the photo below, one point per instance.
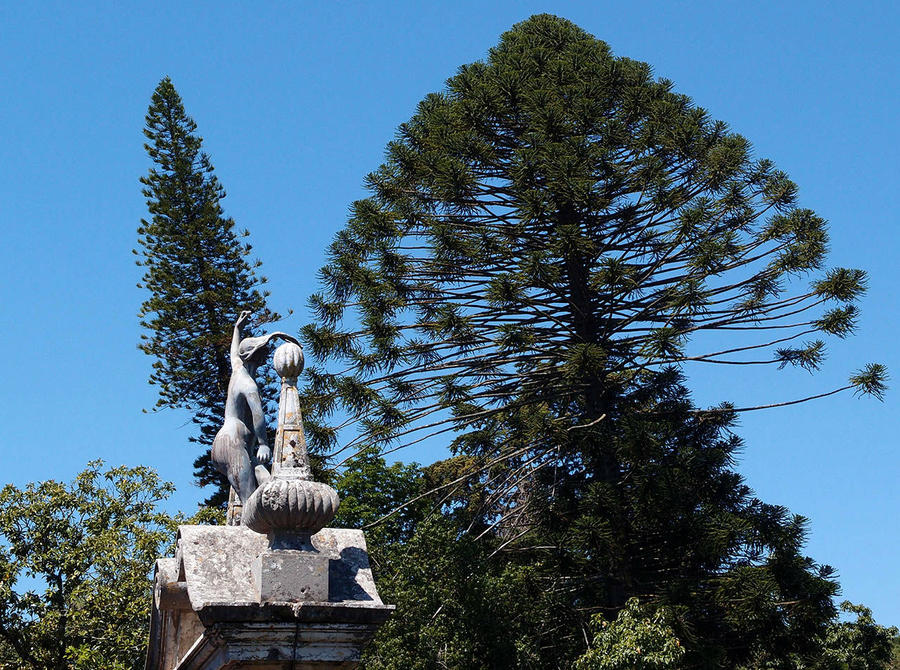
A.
x: 639, y: 639
x: 197, y: 274
x: 459, y: 608
x: 74, y: 569
x: 547, y: 245
x: 457, y: 605
x: 465, y: 602
x: 857, y: 645
x: 370, y: 490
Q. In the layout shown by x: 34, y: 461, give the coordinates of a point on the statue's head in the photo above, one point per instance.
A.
x: 252, y: 350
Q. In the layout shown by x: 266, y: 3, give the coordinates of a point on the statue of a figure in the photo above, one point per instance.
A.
x: 232, y: 449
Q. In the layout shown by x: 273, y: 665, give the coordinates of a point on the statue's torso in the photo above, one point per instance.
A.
x: 239, y: 386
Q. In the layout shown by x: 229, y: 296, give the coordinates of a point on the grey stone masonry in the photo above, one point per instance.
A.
x: 227, y: 600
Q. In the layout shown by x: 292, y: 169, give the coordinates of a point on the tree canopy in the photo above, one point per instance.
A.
x: 636, y: 640
x: 546, y: 247
x: 74, y: 569
x: 678, y: 529
x: 197, y: 274
x: 549, y: 231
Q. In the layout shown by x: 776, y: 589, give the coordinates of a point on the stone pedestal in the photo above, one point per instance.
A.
x: 227, y: 600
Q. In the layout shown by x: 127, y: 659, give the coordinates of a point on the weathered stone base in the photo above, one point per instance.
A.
x: 229, y: 601
x: 291, y: 576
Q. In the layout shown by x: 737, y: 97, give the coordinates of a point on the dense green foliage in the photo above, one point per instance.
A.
x: 75, y: 592
x: 469, y: 602
x: 860, y: 644
x: 637, y: 640
x: 458, y: 606
x: 369, y: 489
x: 541, y: 247
x: 641, y: 638
x: 548, y: 232
x: 75, y: 561
x: 196, y: 271
x: 678, y: 530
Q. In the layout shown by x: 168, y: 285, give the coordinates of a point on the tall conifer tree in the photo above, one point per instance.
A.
x: 197, y: 274
x: 526, y: 281
x: 551, y: 231
x: 547, y: 236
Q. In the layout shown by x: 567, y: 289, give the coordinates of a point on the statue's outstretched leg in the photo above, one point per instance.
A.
x: 242, y: 478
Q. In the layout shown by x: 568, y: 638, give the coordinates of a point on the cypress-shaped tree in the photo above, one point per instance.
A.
x: 197, y: 273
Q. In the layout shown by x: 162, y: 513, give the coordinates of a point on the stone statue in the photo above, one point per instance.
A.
x: 232, y: 449
x: 280, y: 589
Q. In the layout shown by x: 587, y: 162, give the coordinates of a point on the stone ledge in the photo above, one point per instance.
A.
x: 312, y: 613
x: 279, y: 647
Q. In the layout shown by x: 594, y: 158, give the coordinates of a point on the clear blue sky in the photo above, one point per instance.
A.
x: 296, y: 102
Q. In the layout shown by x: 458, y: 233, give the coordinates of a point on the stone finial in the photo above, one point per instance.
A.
x: 290, y: 511
x: 290, y: 507
x: 288, y: 361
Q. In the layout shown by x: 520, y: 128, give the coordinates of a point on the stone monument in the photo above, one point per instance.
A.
x: 276, y: 589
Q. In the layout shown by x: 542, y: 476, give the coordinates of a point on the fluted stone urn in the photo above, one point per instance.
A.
x: 290, y: 511
x: 290, y: 507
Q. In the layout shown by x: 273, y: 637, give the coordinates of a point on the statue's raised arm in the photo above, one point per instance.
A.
x: 245, y: 422
x: 236, y: 339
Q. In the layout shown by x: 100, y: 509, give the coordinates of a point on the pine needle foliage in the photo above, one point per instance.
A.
x: 197, y: 273
x: 546, y: 235
x: 678, y: 531
x: 541, y: 248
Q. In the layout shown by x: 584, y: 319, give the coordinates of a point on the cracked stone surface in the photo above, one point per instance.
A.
x: 216, y: 563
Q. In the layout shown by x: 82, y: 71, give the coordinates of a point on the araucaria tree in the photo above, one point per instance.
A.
x: 197, y: 274
x: 543, y: 242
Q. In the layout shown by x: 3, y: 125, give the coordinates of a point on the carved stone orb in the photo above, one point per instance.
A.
x: 288, y: 361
